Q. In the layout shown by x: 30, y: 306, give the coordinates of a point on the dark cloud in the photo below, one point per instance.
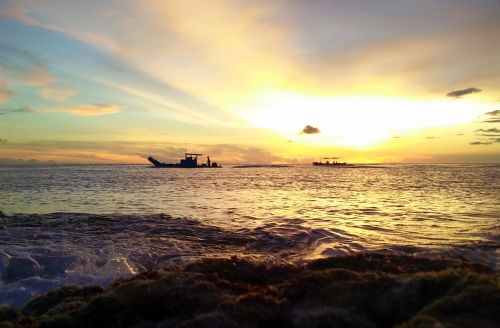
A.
x: 23, y: 110
x: 308, y: 129
x: 490, y: 142
x: 492, y: 130
x: 494, y: 116
x: 462, y: 92
x: 17, y: 110
x: 430, y: 137
x: 494, y: 113
x: 486, y: 136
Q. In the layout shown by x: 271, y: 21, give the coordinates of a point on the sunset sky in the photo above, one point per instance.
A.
x: 249, y: 81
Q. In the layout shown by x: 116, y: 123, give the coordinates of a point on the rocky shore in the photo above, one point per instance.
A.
x: 366, y: 290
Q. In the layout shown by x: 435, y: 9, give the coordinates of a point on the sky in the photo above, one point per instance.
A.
x: 281, y: 81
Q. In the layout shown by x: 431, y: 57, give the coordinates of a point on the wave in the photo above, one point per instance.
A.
x: 41, y: 252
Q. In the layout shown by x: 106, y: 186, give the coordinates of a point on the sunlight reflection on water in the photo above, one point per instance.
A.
x: 278, y: 214
x: 422, y: 205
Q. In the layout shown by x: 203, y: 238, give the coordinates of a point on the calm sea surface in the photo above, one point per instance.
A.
x: 93, y: 223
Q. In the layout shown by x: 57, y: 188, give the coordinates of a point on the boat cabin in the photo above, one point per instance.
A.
x: 190, y: 160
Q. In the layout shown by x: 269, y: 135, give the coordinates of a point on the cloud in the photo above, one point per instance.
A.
x: 58, y: 94
x: 25, y: 68
x: 5, y: 95
x: 22, y: 15
x: 478, y: 143
x: 462, y: 92
x: 10, y: 161
x: 40, y: 76
x: 22, y: 110
x: 88, y: 110
x: 489, y: 136
x: 134, y: 152
x: 3, y: 140
x: 17, y: 110
x: 494, y: 117
x: 492, y: 130
x: 308, y: 129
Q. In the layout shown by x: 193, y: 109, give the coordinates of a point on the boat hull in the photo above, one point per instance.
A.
x: 159, y: 164
x: 332, y: 164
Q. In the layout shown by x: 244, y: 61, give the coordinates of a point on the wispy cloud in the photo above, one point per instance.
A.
x: 308, y: 129
x: 492, y: 130
x: 58, y: 94
x: 25, y: 68
x: 87, y: 110
x: 22, y: 15
x: 487, y: 136
x: 5, y: 95
x: 493, y: 117
x: 22, y: 110
x: 462, y: 92
x: 491, y: 142
x: 39, y: 76
x: 131, y: 152
x: 16, y: 110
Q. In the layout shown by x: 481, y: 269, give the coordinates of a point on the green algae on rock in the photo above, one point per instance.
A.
x: 369, y: 290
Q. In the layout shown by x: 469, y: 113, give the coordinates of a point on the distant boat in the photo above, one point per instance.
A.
x: 334, y: 162
x: 190, y: 161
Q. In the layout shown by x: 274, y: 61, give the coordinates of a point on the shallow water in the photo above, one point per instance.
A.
x: 135, y: 217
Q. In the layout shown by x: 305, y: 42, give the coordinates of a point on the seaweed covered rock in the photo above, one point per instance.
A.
x: 370, y: 290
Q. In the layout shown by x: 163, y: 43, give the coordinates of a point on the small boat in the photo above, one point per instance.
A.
x: 190, y: 161
x: 334, y: 162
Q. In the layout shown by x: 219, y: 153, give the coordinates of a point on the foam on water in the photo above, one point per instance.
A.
x: 41, y: 252
x: 290, y: 214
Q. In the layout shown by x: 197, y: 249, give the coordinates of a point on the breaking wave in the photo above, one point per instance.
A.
x: 41, y: 252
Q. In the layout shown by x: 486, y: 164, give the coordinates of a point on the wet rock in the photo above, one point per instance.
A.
x: 372, y: 290
x: 61, y: 300
x: 20, y: 268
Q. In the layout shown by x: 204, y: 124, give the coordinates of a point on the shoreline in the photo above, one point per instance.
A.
x: 368, y: 290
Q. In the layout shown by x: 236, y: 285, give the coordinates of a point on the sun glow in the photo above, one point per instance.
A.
x: 355, y: 121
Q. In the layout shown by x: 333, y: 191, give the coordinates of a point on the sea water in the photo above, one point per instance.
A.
x: 91, y: 224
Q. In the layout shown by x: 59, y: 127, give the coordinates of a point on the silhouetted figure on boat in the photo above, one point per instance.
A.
x: 208, y: 160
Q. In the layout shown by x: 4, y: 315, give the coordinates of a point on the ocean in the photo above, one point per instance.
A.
x: 92, y: 224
